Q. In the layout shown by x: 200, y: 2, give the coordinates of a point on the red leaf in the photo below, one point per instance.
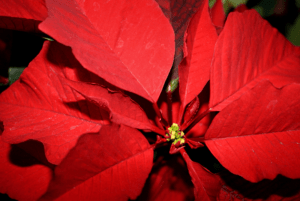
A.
x: 110, y: 165
x: 38, y: 106
x: 206, y: 184
x: 258, y: 136
x: 199, y: 129
x: 197, y: 125
x: 241, y: 8
x: 123, y: 110
x: 133, y: 40
x: 169, y: 104
x: 191, y: 110
x: 3, y: 80
x: 248, y: 51
x: 22, y: 182
x: 22, y: 15
x: 218, y: 15
x: 168, y: 180
x: 165, y: 6
x: 194, y: 70
x: 179, y: 12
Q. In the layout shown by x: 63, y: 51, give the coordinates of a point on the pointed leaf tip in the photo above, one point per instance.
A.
x: 133, y: 40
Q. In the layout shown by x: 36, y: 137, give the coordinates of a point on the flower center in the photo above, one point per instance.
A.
x: 175, y: 134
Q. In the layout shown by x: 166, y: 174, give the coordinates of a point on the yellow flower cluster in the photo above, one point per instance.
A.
x: 175, y: 134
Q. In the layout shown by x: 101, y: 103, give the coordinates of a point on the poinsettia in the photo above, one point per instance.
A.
x: 100, y: 108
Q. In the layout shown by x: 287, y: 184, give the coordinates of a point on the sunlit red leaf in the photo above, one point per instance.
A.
x: 23, y: 181
x: 195, y: 68
x: 258, y: 135
x: 38, y: 106
x: 206, y: 184
x: 110, y: 165
x: 248, y: 51
x: 123, y: 110
x: 22, y: 15
x: 129, y: 44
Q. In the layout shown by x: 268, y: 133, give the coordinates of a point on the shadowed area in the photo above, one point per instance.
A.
x: 280, y: 186
x: 28, y: 153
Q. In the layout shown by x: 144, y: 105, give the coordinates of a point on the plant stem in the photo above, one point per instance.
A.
x: 169, y: 103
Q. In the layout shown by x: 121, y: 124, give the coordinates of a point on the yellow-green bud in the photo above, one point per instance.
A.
x: 175, y: 134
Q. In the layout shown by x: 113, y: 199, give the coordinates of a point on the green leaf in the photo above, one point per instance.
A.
x: 172, y: 85
x: 211, y: 3
x: 293, y: 32
x: 265, y: 8
x: 236, y: 3
x: 48, y: 38
x: 14, y: 74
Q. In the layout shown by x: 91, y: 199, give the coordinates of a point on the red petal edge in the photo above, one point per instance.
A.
x: 206, y: 184
x: 19, y: 181
x: 258, y: 135
x: 248, y: 51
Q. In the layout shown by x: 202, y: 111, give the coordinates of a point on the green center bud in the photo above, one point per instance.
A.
x: 175, y: 134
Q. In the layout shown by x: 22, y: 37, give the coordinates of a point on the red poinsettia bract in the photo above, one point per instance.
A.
x: 99, y: 108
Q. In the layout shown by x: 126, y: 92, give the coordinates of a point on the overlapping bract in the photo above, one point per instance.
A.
x: 22, y: 15
x: 112, y: 164
x: 125, y: 47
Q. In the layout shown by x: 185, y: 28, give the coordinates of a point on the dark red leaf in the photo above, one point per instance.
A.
x: 241, y: 8
x: 110, y: 165
x: 206, y: 184
x: 6, y: 39
x: 197, y: 126
x: 193, y: 143
x: 168, y: 180
x: 248, y: 51
x: 191, y: 110
x: 195, y: 68
x: 22, y: 15
x: 165, y: 6
x: 201, y: 127
x: 129, y: 44
x: 22, y: 182
x: 179, y: 12
x: 258, y: 135
x: 3, y: 80
x: 38, y: 106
